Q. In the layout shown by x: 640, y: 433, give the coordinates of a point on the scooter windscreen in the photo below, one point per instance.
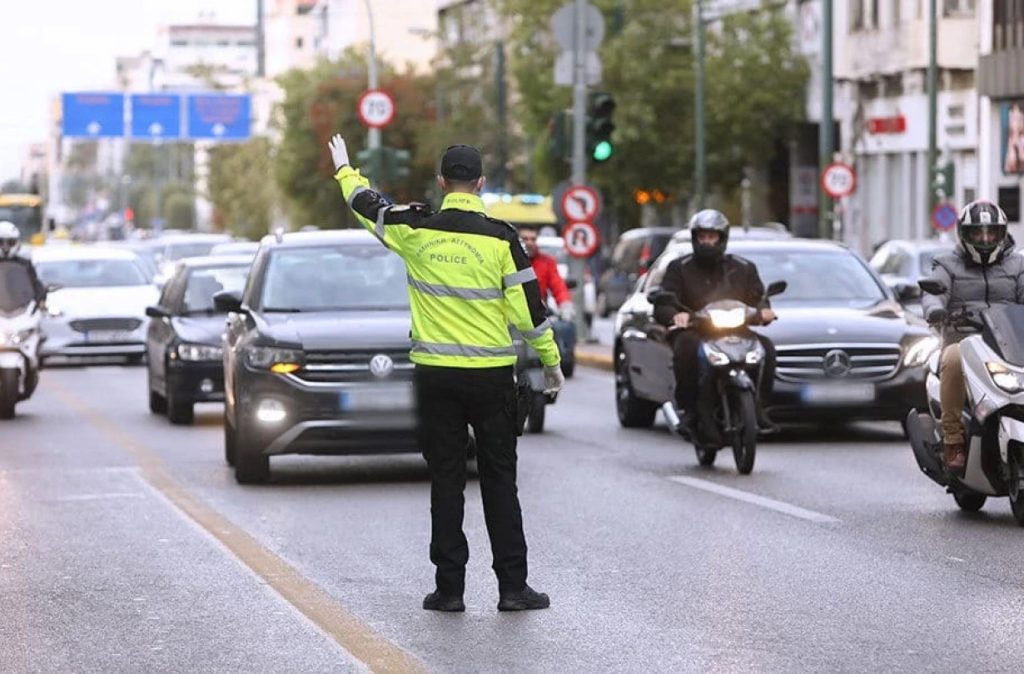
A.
x: 1004, y: 332
x: 16, y: 291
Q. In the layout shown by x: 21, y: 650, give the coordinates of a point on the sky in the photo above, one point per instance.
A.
x: 51, y: 46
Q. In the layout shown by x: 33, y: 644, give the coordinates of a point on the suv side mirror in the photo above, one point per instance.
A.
x: 907, y: 292
x: 932, y: 286
x: 776, y: 288
x: 157, y: 312
x: 228, y: 301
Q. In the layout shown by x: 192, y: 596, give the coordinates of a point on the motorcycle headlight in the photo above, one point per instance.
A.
x: 16, y: 338
x: 281, y: 361
x: 728, y: 318
x: 920, y: 351
x: 199, y: 352
x: 1007, y: 380
x: 754, y: 357
x: 54, y: 310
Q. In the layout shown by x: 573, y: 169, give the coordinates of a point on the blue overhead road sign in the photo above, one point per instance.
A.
x: 92, y: 115
x: 156, y: 116
x: 218, y: 116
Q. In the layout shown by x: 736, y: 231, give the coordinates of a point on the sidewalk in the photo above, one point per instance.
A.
x: 599, y: 354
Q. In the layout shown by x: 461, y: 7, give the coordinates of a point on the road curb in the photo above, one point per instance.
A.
x: 602, y: 361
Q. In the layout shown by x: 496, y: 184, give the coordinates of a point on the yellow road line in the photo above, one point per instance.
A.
x: 351, y: 633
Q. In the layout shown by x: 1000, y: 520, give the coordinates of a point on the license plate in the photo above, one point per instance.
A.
x: 837, y: 394
x: 378, y: 399
x: 107, y: 336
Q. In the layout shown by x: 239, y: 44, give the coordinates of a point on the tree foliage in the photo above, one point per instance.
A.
x: 241, y: 187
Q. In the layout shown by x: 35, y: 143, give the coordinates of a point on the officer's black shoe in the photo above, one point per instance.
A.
x: 687, y: 426
x: 435, y: 601
x: 526, y: 599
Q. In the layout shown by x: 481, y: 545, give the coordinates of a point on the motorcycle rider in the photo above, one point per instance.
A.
x: 980, y: 272
x: 10, y: 246
x: 548, y: 278
x: 709, y: 275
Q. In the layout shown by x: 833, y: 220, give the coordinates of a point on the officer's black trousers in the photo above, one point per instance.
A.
x: 449, y: 400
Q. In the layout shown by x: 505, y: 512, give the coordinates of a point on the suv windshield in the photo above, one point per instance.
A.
x: 178, y: 251
x: 202, y: 284
x: 334, y: 278
x: 92, y: 273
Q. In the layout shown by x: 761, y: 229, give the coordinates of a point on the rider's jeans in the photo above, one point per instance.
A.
x: 952, y: 394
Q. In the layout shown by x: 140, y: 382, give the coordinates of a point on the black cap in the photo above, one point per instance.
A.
x: 462, y: 163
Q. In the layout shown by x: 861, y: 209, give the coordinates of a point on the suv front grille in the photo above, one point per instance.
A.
x: 838, y: 362
x: 112, y: 324
x: 329, y: 367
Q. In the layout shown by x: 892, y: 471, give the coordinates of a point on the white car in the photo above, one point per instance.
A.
x: 97, y: 302
x: 555, y: 247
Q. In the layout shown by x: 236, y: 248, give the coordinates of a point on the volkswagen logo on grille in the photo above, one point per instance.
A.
x: 837, y: 363
x: 381, y: 366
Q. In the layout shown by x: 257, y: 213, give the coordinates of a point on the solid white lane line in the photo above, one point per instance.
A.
x: 754, y: 499
x: 95, y: 497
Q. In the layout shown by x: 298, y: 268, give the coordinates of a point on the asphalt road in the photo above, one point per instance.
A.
x: 127, y: 546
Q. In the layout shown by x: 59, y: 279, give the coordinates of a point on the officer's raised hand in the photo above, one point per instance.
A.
x: 339, y: 153
x: 554, y: 380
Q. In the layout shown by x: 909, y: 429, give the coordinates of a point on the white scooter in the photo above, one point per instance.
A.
x: 19, y: 355
x: 993, y: 364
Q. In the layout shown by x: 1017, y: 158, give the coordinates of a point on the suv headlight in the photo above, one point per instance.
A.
x: 920, y: 351
x: 193, y: 353
x: 282, y: 361
x: 1007, y: 380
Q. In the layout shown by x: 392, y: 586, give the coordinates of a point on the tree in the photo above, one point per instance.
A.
x: 241, y: 187
x: 754, y: 93
x: 321, y: 101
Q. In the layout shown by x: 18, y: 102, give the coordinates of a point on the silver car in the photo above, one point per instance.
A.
x: 97, y: 303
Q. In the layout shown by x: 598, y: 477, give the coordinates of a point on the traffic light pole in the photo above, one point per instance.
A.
x: 373, y: 136
x: 579, y: 159
x: 826, y: 132
x: 698, y: 101
x: 933, y: 77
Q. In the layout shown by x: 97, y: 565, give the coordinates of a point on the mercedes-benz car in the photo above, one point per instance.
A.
x: 316, y: 352
x: 98, y: 306
x: 846, y: 349
x: 185, y: 362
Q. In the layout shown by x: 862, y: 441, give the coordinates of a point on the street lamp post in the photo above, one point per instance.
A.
x: 373, y: 137
x: 698, y: 101
x: 826, y: 132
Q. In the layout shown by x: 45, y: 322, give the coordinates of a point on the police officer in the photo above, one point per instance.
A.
x: 468, y: 279
x: 10, y: 248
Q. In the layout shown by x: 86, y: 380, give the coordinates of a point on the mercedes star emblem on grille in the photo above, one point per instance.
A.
x: 381, y: 366
x: 837, y: 363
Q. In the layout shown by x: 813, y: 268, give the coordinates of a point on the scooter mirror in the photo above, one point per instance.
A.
x: 932, y: 286
x: 776, y: 288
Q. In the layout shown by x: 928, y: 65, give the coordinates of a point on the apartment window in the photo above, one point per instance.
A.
x: 856, y: 15
x: 298, y: 43
x: 1007, y: 24
x: 896, y: 12
x: 958, y: 7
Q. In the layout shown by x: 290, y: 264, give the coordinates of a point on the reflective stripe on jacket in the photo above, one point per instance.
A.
x: 469, y: 279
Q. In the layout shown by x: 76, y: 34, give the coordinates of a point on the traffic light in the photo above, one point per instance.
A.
x: 560, y: 136
x: 943, y: 181
x: 600, y: 127
x: 385, y: 165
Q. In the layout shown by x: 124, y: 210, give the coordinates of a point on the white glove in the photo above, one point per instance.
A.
x: 339, y: 153
x: 554, y: 380
x: 567, y: 312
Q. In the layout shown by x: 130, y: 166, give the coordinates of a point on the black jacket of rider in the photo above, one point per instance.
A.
x: 38, y: 287
x: 696, y: 283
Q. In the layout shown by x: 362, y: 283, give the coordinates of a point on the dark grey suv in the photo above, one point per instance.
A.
x: 316, y: 353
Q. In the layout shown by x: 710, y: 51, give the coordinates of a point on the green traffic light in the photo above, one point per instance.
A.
x: 603, y: 151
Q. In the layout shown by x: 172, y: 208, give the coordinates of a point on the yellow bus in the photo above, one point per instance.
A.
x: 26, y: 212
x: 521, y: 209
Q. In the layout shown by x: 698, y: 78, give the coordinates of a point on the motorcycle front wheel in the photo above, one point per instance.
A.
x: 1013, y: 484
x: 8, y: 392
x: 744, y: 435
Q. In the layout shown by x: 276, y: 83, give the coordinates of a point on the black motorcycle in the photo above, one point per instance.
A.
x: 735, y: 360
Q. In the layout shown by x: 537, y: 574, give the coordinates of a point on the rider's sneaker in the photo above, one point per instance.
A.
x: 955, y: 456
x: 764, y: 422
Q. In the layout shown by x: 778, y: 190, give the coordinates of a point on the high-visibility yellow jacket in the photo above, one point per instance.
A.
x: 469, y: 278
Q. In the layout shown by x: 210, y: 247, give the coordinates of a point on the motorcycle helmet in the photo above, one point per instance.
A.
x: 709, y: 220
x: 981, y: 229
x: 10, y: 239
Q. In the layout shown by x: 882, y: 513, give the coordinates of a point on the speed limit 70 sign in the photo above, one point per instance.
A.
x: 838, y: 180
x: 376, y: 108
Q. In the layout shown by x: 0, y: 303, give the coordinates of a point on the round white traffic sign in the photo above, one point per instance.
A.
x: 581, y: 239
x: 376, y: 108
x: 838, y: 180
x: 580, y: 204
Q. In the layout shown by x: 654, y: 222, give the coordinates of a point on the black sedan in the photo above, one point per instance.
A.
x: 183, y: 341
x: 846, y: 349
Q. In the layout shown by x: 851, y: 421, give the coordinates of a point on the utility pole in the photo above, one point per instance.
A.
x: 933, y: 81
x: 826, y: 132
x: 501, y: 105
x: 261, y: 44
x: 579, y: 161
x: 698, y: 101
x: 373, y: 136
